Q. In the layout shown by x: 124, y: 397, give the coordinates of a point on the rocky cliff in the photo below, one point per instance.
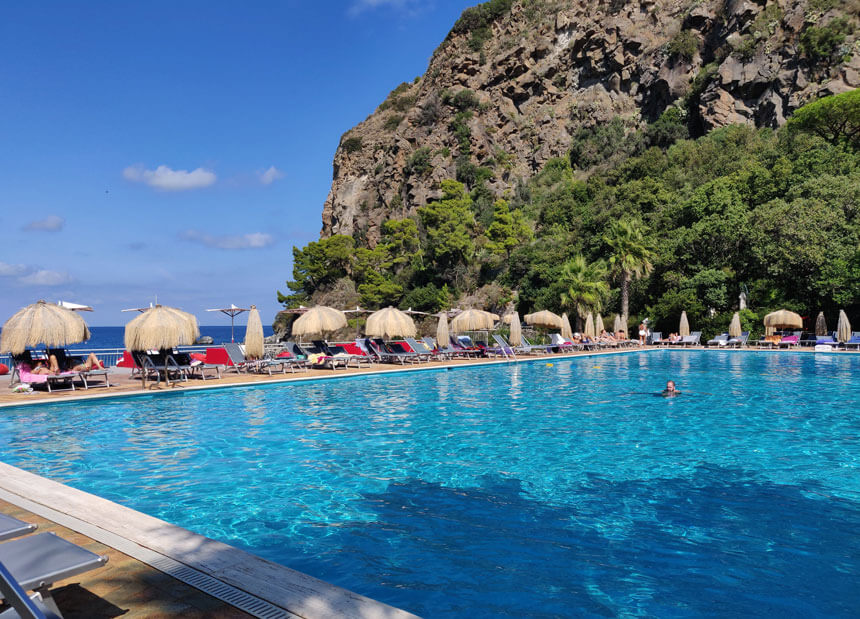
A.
x: 514, y: 81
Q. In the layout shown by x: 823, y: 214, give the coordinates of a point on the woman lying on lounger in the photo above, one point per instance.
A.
x: 53, y: 367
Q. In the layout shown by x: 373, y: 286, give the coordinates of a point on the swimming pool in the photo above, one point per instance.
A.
x: 506, y: 490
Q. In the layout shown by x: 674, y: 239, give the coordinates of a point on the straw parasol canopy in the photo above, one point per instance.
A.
x: 782, y: 319
x: 684, y: 326
x: 473, y: 320
x: 318, y: 320
x: 843, y: 327
x: 390, y: 322
x: 42, y: 323
x: 589, y: 325
x: 516, y: 335
x: 598, y: 325
x: 735, y: 326
x: 566, y: 331
x: 820, y: 324
x: 544, y: 318
x: 161, y: 327
x: 254, y: 335
x: 618, y: 325
x: 442, y: 330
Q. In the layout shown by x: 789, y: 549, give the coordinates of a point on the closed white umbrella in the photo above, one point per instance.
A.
x: 598, y: 325
x: 684, y: 326
x: 254, y: 335
x: 566, y: 331
x: 589, y: 325
x: 843, y: 327
x: 735, y: 326
x: 516, y: 337
x: 442, y: 331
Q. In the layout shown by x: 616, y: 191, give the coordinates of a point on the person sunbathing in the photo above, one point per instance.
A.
x: 53, y: 367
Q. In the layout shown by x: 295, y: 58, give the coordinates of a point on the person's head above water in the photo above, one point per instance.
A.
x: 670, y: 389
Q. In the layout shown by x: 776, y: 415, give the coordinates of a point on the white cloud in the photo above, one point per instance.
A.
x: 360, y: 6
x: 167, y: 179
x: 271, y: 175
x: 45, y: 277
x: 252, y: 240
x: 51, y: 223
x: 13, y: 270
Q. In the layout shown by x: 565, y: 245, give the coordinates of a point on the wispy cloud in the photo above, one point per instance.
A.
x: 167, y: 179
x: 360, y: 6
x: 270, y: 176
x: 46, y: 277
x: 13, y: 270
x: 51, y: 223
x: 252, y: 240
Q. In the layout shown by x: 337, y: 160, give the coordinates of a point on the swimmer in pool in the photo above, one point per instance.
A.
x: 670, y: 391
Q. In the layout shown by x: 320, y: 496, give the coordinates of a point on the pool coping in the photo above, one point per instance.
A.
x: 151, y: 540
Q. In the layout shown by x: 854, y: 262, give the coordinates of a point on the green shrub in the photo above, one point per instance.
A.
x: 418, y: 163
x: 465, y: 99
x: 393, y: 121
x: 397, y: 99
x: 462, y: 131
x: 684, y: 45
x: 352, y: 145
x: 820, y: 43
x: 481, y: 16
x: 478, y: 37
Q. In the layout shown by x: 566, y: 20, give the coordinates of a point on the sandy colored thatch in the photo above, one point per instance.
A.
x: 618, y: 325
x: 684, y: 325
x: 843, y: 327
x: 442, y: 331
x: 161, y: 327
x: 544, y: 318
x: 516, y: 335
x: 782, y: 319
x: 473, y: 320
x: 598, y: 325
x: 42, y: 323
x: 589, y: 325
x: 254, y: 335
x: 319, y: 320
x: 820, y: 324
x: 735, y: 326
x: 388, y: 323
x: 566, y: 331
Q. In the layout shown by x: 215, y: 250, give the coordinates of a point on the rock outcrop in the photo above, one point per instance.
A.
x: 543, y: 70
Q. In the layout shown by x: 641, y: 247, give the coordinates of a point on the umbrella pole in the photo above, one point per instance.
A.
x: 232, y: 318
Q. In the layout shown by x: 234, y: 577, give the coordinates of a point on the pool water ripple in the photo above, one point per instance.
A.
x: 516, y: 490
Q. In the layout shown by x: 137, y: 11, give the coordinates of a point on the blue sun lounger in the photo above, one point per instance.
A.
x: 12, y: 527
x: 38, y: 561
x: 23, y: 607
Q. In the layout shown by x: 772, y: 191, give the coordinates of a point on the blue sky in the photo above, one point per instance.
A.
x: 180, y: 149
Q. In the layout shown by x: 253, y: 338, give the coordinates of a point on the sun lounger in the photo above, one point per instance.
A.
x: 689, y: 340
x: 738, y: 342
x: 389, y: 354
x: 36, y: 562
x: 157, y: 363
x: 68, y: 361
x: 22, y: 607
x: 239, y: 362
x: 854, y: 342
x: 12, y: 527
x: 334, y: 350
x: 318, y: 359
x: 421, y: 347
x: 462, y: 349
x: 502, y: 345
x: 789, y: 341
x: 721, y: 340
x: 195, y: 367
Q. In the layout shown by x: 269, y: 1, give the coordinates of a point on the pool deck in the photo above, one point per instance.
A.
x: 151, y: 560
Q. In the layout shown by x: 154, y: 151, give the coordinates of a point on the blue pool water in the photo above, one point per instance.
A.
x: 514, y: 490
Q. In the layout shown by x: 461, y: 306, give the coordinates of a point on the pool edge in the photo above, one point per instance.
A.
x: 151, y: 540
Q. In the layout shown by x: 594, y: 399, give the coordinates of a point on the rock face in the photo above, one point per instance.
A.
x: 549, y: 68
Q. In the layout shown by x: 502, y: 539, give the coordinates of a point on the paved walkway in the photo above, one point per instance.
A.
x: 124, y: 587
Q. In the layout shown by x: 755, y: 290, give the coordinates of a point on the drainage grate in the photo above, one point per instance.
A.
x: 214, y: 587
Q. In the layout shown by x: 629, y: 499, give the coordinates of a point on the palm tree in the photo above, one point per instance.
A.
x: 632, y: 253
x: 585, y: 286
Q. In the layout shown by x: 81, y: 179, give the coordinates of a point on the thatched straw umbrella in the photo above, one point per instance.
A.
x: 319, y: 320
x: 782, y: 319
x: 516, y: 335
x: 473, y: 320
x: 566, y: 331
x: 684, y: 326
x: 254, y: 335
x: 618, y: 325
x: 843, y: 327
x: 598, y: 325
x: 544, y: 318
x: 390, y: 322
x: 42, y: 323
x: 735, y: 326
x: 589, y: 325
x: 442, y: 330
x: 161, y: 327
x: 820, y: 324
